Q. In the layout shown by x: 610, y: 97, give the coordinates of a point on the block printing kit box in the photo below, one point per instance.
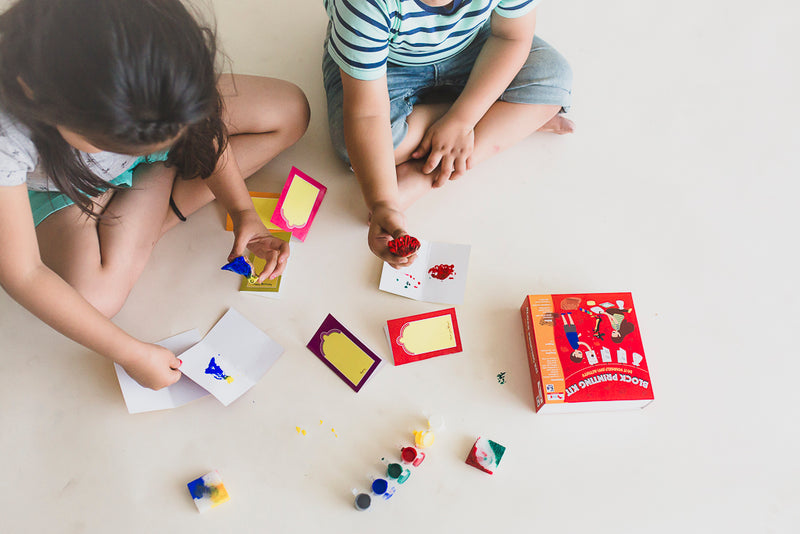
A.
x: 585, y: 352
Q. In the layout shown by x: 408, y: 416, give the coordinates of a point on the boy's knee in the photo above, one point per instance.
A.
x: 554, y: 67
x: 564, y: 73
x: 546, y: 78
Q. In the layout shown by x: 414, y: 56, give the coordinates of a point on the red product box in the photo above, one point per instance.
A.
x: 585, y: 352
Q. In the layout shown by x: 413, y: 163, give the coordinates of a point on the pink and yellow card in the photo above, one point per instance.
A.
x: 423, y: 336
x: 298, y: 203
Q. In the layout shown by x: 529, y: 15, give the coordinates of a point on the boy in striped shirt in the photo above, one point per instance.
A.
x: 382, y: 56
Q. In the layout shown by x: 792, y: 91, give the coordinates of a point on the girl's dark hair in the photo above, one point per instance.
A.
x: 124, y: 74
x: 625, y: 328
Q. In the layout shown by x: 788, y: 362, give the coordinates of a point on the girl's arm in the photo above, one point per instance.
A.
x: 229, y: 188
x: 45, y: 294
x: 368, y: 137
x: 449, y: 141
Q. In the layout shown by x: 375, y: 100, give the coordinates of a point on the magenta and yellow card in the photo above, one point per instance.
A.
x: 343, y: 353
x: 298, y: 203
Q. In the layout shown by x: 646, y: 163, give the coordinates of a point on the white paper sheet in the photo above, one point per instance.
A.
x: 241, y: 354
x: 140, y: 399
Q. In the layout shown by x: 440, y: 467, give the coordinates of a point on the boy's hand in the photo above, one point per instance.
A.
x: 153, y: 366
x: 448, y: 144
x: 387, y: 224
x: 250, y: 233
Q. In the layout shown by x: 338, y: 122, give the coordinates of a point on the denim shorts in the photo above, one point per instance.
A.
x: 546, y: 78
x: 46, y: 203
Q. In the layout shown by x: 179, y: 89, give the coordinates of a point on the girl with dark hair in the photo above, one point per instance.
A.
x: 114, y: 126
x: 620, y: 327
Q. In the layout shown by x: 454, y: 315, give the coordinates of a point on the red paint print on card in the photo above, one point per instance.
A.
x: 442, y: 272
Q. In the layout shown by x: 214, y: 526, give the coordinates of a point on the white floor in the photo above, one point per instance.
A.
x: 680, y: 185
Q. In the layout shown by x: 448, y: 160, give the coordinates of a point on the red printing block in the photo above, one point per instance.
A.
x: 404, y: 246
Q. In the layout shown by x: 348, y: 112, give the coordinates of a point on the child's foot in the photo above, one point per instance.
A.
x: 412, y: 183
x: 558, y: 125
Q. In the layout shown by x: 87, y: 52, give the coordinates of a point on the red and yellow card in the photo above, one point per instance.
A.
x: 419, y: 337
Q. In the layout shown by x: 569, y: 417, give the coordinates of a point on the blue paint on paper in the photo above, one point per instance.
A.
x: 239, y: 266
x: 215, y: 370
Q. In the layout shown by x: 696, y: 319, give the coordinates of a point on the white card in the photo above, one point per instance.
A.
x: 439, y: 274
x: 141, y: 399
x: 232, y: 357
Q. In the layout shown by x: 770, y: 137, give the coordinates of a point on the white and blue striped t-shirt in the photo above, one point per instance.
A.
x: 365, y: 34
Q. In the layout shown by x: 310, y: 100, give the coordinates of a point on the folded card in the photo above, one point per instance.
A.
x: 140, y: 399
x: 232, y: 357
x: 439, y: 274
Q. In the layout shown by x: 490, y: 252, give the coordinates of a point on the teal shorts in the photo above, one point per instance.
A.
x: 45, y: 203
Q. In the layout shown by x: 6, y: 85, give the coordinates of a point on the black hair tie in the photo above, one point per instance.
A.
x: 175, y: 209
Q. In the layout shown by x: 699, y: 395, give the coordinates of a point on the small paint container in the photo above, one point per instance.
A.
x: 412, y: 456
x: 379, y: 486
x: 394, y: 471
x: 362, y: 501
x: 424, y: 438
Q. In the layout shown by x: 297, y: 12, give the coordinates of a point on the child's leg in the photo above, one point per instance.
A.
x: 412, y: 183
x: 103, y: 261
x: 531, y: 103
x: 503, y: 126
x: 506, y: 124
x: 264, y: 116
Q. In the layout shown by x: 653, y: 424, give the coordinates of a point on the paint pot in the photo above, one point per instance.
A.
x: 412, y: 456
x: 394, y: 471
x: 379, y: 486
x: 389, y: 492
x: 424, y: 438
x: 362, y: 501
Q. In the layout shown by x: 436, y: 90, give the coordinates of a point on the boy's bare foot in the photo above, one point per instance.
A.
x: 412, y: 183
x: 558, y: 125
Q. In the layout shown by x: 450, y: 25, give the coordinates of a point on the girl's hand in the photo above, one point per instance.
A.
x: 449, y: 145
x: 250, y: 233
x: 386, y: 224
x: 153, y: 366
